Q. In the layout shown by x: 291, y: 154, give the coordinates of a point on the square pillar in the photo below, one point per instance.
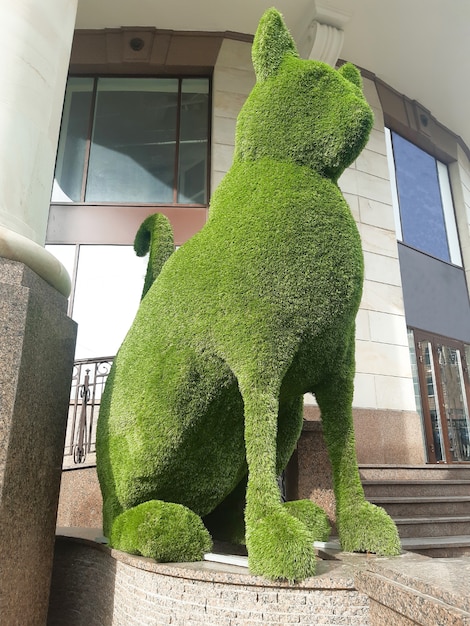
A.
x: 37, y: 343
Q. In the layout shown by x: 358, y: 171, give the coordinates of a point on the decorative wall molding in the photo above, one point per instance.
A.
x: 325, y: 33
x: 327, y: 42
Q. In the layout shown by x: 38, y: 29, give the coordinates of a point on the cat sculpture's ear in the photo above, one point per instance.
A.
x: 271, y: 44
x: 351, y: 73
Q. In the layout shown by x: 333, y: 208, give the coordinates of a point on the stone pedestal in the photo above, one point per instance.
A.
x: 92, y: 585
x: 36, y: 359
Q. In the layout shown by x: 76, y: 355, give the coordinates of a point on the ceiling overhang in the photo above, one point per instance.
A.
x: 419, y: 48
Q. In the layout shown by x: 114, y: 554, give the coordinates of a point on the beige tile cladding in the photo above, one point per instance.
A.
x: 233, y: 80
x: 104, y: 587
x: 459, y: 172
x: 383, y: 369
x: 384, y: 377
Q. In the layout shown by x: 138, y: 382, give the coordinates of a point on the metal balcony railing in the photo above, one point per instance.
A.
x: 88, y: 380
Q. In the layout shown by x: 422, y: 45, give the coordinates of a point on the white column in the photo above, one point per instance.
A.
x: 34, y: 51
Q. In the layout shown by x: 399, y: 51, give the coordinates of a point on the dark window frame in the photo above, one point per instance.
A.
x: 92, y: 222
x: 421, y: 337
x: 446, y: 199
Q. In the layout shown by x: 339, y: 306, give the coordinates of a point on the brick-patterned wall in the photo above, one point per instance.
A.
x: 93, y: 586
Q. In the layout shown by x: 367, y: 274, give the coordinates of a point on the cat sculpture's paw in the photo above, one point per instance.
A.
x: 164, y: 531
x: 312, y: 515
x: 367, y: 528
x: 280, y: 547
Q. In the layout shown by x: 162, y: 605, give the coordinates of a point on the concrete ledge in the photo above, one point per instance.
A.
x: 413, y: 589
x: 93, y: 585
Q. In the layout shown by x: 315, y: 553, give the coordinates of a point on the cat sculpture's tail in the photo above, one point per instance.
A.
x: 155, y: 236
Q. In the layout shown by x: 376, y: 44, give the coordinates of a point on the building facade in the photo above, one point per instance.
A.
x: 149, y: 100
x: 111, y: 110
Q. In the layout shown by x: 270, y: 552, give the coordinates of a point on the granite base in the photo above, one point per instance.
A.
x: 93, y: 585
x: 36, y: 361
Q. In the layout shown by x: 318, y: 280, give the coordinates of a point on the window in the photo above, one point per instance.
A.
x: 440, y: 371
x: 133, y: 140
x: 107, y: 284
x: 128, y: 147
x: 422, y: 199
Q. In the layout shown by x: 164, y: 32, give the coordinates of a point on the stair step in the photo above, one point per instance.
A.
x: 416, y: 488
x: 430, y: 505
x: 430, y: 542
x: 447, y: 526
x: 455, y: 546
x: 415, y: 472
x: 423, y: 506
x: 433, y: 520
x: 420, y: 499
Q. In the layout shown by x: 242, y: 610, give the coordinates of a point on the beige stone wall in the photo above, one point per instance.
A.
x: 233, y: 80
x: 383, y: 378
x: 459, y: 173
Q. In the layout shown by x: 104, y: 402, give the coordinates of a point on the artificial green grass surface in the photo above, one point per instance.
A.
x: 155, y: 238
x: 254, y: 311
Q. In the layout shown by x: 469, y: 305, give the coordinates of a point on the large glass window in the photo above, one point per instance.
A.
x: 107, y: 284
x: 127, y: 147
x: 441, y: 371
x: 133, y: 140
x: 424, y: 210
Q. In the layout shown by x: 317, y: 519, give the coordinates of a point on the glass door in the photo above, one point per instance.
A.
x: 444, y: 383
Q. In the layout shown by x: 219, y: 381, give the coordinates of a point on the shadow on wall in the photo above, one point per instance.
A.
x: 82, y: 587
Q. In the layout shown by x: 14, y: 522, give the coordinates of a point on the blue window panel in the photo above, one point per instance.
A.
x: 421, y: 211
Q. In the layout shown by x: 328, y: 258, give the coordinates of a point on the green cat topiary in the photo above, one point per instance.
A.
x: 254, y: 311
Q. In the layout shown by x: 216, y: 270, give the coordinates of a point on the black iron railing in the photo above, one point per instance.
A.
x: 88, y: 380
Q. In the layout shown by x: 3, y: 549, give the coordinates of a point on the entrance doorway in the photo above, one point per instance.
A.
x: 445, y: 396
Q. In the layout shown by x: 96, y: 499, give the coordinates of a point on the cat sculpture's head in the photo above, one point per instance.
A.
x: 301, y: 111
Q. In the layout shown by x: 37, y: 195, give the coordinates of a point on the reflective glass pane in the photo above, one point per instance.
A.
x: 132, y: 157
x: 455, y: 402
x: 107, y: 295
x: 194, y: 130
x: 419, y: 195
x: 414, y: 371
x: 72, y: 143
x: 433, y: 402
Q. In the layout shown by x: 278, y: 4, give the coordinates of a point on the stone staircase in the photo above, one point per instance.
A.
x: 430, y: 505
